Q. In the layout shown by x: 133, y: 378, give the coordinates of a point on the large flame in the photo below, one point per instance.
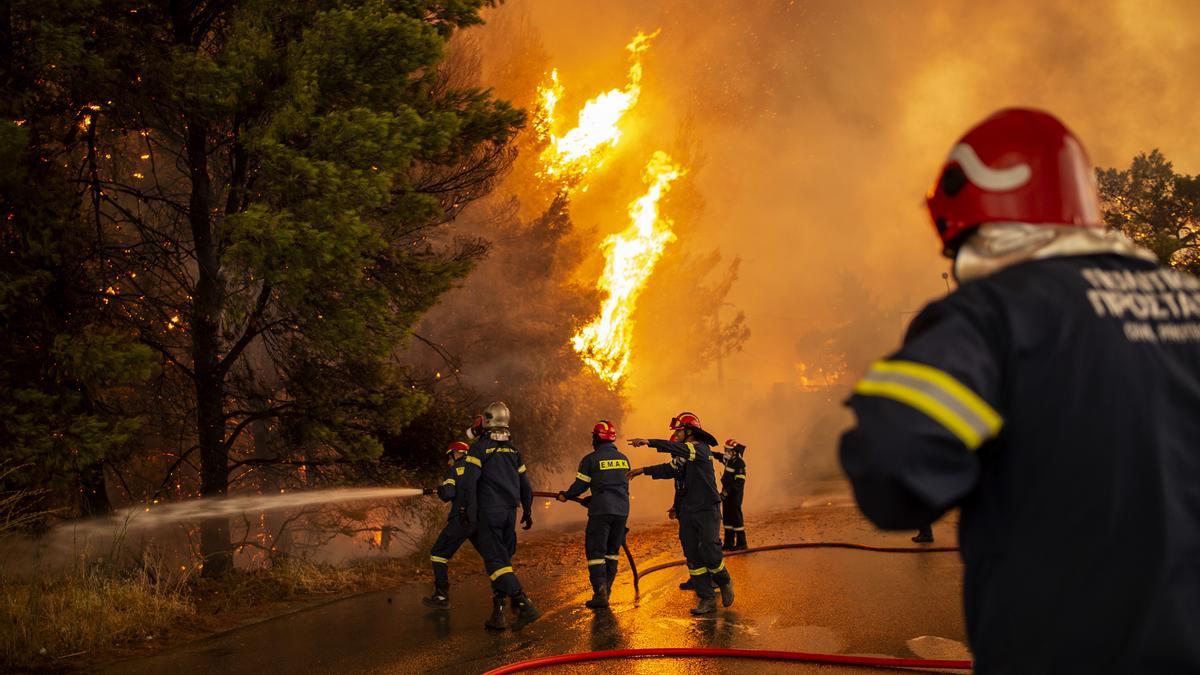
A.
x: 631, y: 256
x: 569, y: 157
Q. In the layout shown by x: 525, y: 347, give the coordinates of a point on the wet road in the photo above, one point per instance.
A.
x: 839, y: 601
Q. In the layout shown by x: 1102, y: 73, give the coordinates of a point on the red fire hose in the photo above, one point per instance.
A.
x: 758, y: 654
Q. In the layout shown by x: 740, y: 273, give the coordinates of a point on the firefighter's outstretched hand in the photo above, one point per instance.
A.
x: 562, y: 496
x: 526, y: 520
x: 638, y: 442
x: 671, y: 513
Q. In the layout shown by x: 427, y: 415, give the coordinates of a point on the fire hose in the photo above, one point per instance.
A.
x: 755, y: 654
x: 624, y: 546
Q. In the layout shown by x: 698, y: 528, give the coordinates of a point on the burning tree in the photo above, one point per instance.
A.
x: 65, y: 369
x: 263, y: 179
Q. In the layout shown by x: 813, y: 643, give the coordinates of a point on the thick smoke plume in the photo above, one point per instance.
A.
x: 811, y: 131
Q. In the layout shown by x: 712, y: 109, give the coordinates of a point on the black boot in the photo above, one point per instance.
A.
x: 599, y: 598
x: 740, y: 545
x: 705, y: 606
x: 440, y: 598
x: 526, y: 612
x: 497, y: 621
x: 727, y: 593
x: 686, y: 586
x: 728, y: 545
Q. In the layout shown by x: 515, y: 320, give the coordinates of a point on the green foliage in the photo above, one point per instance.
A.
x: 239, y: 201
x: 61, y: 366
x: 1156, y: 207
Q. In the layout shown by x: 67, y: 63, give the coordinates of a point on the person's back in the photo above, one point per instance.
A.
x: 1083, y: 531
x: 608, y: 470
x: 500, y: 474
x: 1055, y: 397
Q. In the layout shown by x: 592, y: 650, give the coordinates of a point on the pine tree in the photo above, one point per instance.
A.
x: 64, y: 367
x: 269, y: 180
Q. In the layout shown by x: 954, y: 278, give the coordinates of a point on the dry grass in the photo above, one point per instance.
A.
x: 50, y: 619
x: 99, y: 613
x: 92, y: 614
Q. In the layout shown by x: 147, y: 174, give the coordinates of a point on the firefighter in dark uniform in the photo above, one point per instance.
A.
x: 454, y: 533
x: 697, y: 506
x: 493, y: 484
x: 733, y: 489
x: 604, y: 471
x: 1054, y: 397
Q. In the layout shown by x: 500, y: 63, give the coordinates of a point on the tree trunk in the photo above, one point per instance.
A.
x: 209, y: 376
x: 93, y: 491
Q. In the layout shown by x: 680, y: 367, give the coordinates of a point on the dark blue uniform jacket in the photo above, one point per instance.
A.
x: 448, y: 490
x: 606, y: 471
x: 692, y: 469
x: 1058, y: 403
x: 733, y: 479
x: 494, y: 478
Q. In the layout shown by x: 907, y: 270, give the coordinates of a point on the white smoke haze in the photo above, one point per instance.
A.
x: 820, y: 126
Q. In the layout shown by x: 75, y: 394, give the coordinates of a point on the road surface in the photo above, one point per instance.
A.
x: 839, y: 601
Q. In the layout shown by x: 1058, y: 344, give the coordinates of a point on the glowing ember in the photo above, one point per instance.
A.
x: 569, y: 157
x: 631, y: 256
x: 813, y: 378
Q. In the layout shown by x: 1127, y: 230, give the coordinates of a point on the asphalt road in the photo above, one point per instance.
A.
x: 838, y: 601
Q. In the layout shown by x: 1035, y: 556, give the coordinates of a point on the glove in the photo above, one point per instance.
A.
x: 429, y: 491
x: 562, y: 496
x: 464, y: 517
x: 526, y: 520
x: 671, y: 513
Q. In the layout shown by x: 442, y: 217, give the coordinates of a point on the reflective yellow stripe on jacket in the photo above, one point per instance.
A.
x: 938, y: 395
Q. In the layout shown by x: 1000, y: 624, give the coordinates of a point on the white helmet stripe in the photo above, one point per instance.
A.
x: 992, y: 180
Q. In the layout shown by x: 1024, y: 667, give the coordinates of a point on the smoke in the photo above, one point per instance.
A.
x: 814, y: 130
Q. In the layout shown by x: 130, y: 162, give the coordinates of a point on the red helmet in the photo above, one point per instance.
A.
x: 605, y: 431
x: 731, y: 443
x: 684, y: 420
x: 476, y: 429
x: 458, y: 446
x: 1020, y: 166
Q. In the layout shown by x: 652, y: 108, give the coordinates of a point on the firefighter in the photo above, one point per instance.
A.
x: 696, y: 506
x: 454, y: 533
x: 604, y: 471
x: 1053, y: 397
x: 733, y: 488
x: 493, y: 484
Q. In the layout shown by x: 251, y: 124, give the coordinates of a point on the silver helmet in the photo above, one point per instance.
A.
x: 495, y: 416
